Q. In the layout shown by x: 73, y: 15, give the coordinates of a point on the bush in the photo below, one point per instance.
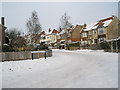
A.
x: 104, y: 45
x: 74, y: 44
x: 7, y: 48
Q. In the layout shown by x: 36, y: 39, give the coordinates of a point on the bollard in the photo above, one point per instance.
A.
x: 45, y: 54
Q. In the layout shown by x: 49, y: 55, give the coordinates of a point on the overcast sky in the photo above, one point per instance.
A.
x: 16, y: 14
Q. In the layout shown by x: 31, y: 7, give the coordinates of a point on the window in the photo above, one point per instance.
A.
x: 95, y: 31
x: 84, y: 34
x: 43, y: 37
x: 101, y: 31
x: 90, y: 32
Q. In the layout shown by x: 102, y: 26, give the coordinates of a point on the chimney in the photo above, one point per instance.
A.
x: 2, y: 21
x: 60, y: 29
x: 49, y: 30
x: 84, y: 25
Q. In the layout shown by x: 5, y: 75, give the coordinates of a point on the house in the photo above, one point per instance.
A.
x: 70, y: 35
x: 2, y: 31
x: 34, y: 38
x: 101, y: 31
x: 43, y: 37
x: 51, y: 37
x: 74, y: 35
x: 84, y: 35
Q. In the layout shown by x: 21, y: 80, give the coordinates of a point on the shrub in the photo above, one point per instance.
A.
x: 74, y: 44
x: 7, y: 48
x: 104, y: 45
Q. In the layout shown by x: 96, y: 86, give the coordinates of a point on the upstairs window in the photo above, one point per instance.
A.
x: 101, y: 31
x: 95, y: 31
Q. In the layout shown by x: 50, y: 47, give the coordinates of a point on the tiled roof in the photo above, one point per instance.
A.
x: 55, y: 31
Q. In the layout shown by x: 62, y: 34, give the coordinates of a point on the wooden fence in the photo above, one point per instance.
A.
x: 13, y: 56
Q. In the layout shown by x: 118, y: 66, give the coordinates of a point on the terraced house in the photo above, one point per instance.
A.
x: 103, y: 30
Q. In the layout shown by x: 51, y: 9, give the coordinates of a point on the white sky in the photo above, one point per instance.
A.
x: 17, y: 13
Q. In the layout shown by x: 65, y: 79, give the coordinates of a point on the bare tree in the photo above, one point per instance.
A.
x: 64, y: 22
x: 33, y: 24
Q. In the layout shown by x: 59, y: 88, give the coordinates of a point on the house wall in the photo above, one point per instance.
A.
x: 75, y: 35
x: 2, y: 34
x: 51, y: 38
x: 63, y: 36
x: 84, y: 39
x: 112, y: 30
x: 94, y: 35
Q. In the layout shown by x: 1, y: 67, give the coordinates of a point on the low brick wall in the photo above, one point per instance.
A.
x: 13, y: 56
x: 74, y: 48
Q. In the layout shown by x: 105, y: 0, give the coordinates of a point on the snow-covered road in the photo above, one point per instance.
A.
x: 66, y: 69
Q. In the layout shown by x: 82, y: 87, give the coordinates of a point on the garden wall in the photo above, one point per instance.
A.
x: 13, y: 56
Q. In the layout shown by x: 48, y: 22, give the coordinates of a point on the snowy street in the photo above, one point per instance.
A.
x: 65, y: 69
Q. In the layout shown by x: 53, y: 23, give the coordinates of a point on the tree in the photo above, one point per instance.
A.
x: 15, y: 38
x: 33, y: 24
x: 64, y: 22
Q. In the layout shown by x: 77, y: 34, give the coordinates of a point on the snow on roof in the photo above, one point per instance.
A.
x: 113, y: 39
x: 90, y: 26
x: 106, y: 23
x: 52, y: 31
x: 62, y: 32
x: 62, y: 40
x: 94, y: 25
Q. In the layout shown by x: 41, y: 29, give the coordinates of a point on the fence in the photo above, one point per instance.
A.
x: 13, y: 56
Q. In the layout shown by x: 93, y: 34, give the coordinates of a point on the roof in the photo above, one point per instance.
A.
x: 73, y: 39
x: 49, y: 32
x: 62, y: 32
x: 94, y: 25
x: 52, y: 31
x: 90, y: 26
x: 55, y: 31
x: 106, y: 23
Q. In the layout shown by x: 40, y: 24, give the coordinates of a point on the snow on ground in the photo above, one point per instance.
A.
x: 65, y: 69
